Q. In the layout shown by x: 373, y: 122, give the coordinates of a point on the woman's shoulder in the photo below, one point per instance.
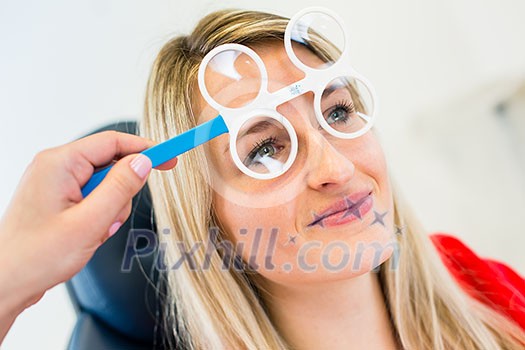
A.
x: 490, y: 281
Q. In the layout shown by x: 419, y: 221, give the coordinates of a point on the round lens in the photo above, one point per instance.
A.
x: 346, y: 105
x: 232, y: 78
x: 264, y: 146
x: 317, y: 33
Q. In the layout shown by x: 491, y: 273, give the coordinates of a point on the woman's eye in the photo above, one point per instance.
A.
x: 340, y: 113
x: 263, y: 149
x: 266, y: 151
x: 337, y: 115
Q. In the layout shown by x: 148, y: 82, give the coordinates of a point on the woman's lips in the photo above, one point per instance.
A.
x: 346, y: 216
x: 351, y: 208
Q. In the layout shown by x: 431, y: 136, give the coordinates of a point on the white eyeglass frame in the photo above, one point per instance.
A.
x: 266, y: 103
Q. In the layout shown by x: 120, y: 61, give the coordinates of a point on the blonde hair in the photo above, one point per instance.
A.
x: 219, y: 309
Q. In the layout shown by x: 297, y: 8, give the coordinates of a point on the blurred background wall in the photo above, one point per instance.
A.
x: 450, y: 76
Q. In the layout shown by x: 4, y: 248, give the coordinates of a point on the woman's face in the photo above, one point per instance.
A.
x: 328, y: 217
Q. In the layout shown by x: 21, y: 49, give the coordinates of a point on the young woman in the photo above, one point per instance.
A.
x: 335, y: 204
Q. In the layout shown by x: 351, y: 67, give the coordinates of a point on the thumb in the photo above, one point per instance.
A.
x: 103, y: 206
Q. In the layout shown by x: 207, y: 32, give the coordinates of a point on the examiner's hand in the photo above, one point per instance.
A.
x: 49, y: 232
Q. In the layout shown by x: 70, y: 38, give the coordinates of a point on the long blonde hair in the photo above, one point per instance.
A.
x: 219, y: 309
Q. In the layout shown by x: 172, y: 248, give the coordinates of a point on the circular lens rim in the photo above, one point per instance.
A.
x: 288, y: 36
x: 281, y: 119
x: 230, y: 47
x: 371, y: 116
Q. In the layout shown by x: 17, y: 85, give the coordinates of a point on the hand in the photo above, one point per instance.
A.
x: 49, y: 232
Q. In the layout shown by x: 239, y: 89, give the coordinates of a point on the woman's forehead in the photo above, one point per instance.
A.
x: 279, y: 65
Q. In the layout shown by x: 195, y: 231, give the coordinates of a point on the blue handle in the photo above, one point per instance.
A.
x: 169, y: 149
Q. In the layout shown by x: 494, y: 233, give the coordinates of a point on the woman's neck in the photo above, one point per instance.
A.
x: 347, y: 314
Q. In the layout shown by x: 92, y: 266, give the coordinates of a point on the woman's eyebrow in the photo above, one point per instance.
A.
x: 256, y: 128
x: 331, y: 88
x: 260, y: 126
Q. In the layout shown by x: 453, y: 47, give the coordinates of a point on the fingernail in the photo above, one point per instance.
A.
x: 141, y: 165
x: 114, y: 228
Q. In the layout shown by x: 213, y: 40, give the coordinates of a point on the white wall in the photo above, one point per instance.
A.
x: 438, y: 67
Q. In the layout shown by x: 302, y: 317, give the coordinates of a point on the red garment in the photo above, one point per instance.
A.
x: 489, y: 281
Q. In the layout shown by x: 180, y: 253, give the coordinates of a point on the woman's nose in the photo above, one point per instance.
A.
x: 328, y: 167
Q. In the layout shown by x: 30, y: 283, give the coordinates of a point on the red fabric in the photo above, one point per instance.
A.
x: 489, y: 281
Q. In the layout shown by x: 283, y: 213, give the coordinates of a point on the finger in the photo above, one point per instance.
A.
x: 122, y: 217
x: 83, y: 155
x: 101, y: 208
x: 101, y: 148
x: 170, y: 164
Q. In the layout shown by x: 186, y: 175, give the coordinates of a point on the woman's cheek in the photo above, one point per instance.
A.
x: 253, y: 227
